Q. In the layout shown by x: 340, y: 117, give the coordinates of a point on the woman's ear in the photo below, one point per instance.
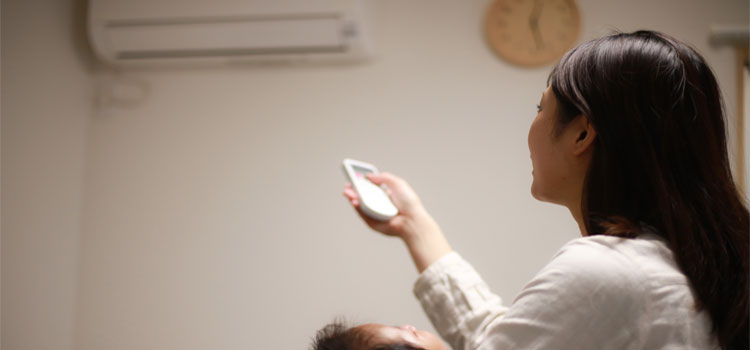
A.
x: 585, y: 135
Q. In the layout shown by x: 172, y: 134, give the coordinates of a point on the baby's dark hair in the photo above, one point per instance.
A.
x: 337, y: 335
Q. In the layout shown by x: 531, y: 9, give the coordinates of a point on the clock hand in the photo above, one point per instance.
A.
x: 534, y: 23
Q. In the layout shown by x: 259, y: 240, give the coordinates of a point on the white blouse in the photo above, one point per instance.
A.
x: 597, y: 292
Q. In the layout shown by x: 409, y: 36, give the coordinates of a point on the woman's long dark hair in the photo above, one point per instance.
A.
x: 660, y: 159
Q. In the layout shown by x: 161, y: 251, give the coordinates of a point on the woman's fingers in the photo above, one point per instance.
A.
x: 350, y: 193
x: 353, y: 198
x: 374, y: 224
x: 402, y: 195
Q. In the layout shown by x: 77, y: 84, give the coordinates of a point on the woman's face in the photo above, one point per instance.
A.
x: 551, y: 170
x: 406, y: 334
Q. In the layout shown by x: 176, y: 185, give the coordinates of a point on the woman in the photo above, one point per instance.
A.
x: 630, y: 137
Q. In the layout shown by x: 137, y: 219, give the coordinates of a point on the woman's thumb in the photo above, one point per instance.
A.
x: 382, y: 179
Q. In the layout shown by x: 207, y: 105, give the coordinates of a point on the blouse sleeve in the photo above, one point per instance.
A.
x: 582, y: 299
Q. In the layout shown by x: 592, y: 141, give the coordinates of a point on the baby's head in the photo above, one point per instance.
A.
x: 372, y: 336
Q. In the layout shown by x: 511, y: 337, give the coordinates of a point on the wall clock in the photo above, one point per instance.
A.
x: 532, y: 32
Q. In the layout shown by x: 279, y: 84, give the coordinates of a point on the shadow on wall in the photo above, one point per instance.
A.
x: 79, y: 37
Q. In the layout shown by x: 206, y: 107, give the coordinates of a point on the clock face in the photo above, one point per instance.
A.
x: 532, y: 32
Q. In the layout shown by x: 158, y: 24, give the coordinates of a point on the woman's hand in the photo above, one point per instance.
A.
x: 410, y: 216
x: 413, y: 224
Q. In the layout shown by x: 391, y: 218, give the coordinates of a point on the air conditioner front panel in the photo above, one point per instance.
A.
x: 146, y: 32
x: 224, y: 36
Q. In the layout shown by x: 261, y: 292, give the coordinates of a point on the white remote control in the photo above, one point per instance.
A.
x: 374, y: 202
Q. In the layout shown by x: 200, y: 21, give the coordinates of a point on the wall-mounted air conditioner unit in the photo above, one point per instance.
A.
x: 145, y: 32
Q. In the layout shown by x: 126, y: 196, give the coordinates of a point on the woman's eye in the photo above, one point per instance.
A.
x: 538, y: 108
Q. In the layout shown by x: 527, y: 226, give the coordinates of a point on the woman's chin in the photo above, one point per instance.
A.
x: 536, y: 193
x: 543, y: 196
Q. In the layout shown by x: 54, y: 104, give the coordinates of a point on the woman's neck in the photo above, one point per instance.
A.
x: 575, y: 210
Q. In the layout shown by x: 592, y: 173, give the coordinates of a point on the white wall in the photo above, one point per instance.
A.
x: 46, y: 104
x: 212, y: 215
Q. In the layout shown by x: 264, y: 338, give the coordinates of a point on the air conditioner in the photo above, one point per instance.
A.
x: 148, y: 32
